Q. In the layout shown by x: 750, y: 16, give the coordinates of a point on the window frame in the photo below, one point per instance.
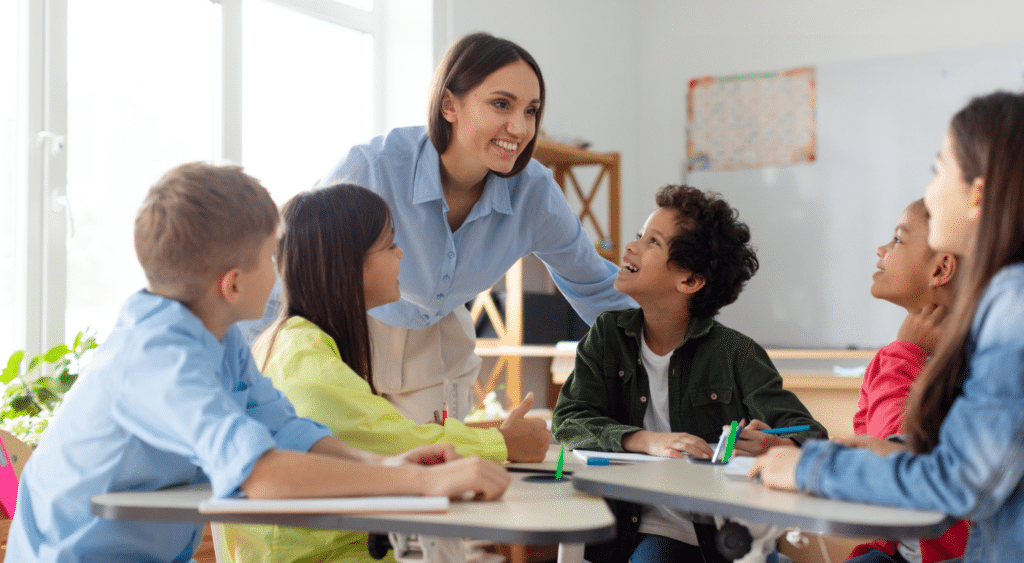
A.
x: 41, y: 205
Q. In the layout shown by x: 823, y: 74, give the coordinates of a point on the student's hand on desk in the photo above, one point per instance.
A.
x: 925, y: 327
x: 877, y: 445
x: 777, y: 468
x: 666, y: 444
x: 483, y: 479
x: 431, y: 454
x: 752, y: 441
x: 526, y: 439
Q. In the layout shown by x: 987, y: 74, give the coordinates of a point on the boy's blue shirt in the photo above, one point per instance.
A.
x: 977, y: 469
x: 162, y: 403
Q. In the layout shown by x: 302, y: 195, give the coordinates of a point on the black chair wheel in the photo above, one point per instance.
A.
x: 378, y: 546
x: 733, y: 540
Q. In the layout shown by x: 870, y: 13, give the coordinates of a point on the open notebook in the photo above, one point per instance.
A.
x: 349, y: 505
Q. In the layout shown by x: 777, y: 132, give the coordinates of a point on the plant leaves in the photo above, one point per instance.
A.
x: 54, y: 354
x: 13, y: 367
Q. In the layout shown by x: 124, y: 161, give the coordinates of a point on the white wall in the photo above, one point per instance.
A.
x: 588, y: 53
x: 618, y: 71
x: 681, y: 40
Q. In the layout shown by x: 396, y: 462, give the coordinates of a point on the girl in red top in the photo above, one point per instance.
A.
x: 910, y: 274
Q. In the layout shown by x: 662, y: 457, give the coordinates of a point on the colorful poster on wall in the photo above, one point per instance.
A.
x: 751, y: 120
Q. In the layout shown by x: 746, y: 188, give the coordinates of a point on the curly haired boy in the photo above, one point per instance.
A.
x: 663, y: 379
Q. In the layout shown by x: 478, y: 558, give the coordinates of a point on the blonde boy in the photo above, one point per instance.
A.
x: 173, y: 397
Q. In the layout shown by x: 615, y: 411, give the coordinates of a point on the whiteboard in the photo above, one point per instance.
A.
x: 817, y: 226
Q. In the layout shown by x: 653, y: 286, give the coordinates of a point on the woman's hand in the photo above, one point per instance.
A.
x: 777, y: 468
x: 666, y: 444
x: 877, y: 445
x: 431, y: 454
x: 478, y: 477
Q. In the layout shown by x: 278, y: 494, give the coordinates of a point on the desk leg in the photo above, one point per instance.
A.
x: 570, y: 552
x: 414, y: 548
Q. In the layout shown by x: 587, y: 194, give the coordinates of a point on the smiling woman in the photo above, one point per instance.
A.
x: 468, y: 202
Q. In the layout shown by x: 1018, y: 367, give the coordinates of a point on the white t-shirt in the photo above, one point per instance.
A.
x: 660, y: 520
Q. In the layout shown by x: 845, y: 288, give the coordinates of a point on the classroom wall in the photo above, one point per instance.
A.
x: 618, y: 71
x: 588, y: 53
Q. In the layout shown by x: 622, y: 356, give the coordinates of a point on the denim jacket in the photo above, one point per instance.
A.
x: 975, y: 470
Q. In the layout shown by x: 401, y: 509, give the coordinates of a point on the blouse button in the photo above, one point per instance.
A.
x: 621, y: 373
x: 639, y: 361
x: 714, y: 396
x: 643, y: 399
x: 635, y: 519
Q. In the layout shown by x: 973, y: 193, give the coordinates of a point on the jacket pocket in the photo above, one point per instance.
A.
x: 711, y: 409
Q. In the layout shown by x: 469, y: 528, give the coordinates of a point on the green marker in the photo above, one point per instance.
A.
x: 731, y: 442
x: 561, y: 460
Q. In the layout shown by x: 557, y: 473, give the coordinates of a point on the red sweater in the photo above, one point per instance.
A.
x: 883, y: 401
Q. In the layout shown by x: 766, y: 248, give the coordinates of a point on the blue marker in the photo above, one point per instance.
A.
x: 788, y: 429
x: 598, y: 461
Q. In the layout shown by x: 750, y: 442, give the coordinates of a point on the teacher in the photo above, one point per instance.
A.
x: 468, y: 201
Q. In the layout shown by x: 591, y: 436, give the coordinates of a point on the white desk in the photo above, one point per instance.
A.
x: 706, y: 489
x: 529, y: 513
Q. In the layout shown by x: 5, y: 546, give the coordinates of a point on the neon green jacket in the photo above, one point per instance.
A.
x: 306, y: 366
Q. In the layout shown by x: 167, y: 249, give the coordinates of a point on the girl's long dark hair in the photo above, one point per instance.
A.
x: 325, y: 237
x: 988, y: 143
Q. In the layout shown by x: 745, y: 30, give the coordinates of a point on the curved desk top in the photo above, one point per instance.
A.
x: 529, y: 513
x: 706, y: 489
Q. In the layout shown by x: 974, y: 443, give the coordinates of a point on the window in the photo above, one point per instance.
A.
x: 133, y: 113
x: 284, y: 87
x: 9, y: 134
x: 306, y: 96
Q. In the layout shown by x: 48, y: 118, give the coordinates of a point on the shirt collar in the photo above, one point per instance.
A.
x: 632, y: 322
x: 426, y: 185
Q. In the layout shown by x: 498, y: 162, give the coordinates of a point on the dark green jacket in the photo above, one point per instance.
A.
x: 717, y: 375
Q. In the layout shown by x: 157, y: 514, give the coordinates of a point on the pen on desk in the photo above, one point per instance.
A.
x: 732, y: 441
x: 561, y: 460
x: 788, y: 429
x: 721, y: 444
x: 444, y: 400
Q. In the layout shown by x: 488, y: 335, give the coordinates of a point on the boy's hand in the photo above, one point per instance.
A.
x: 877, y: 445
x: 526, y: 439
x: 667, y: 444
x: 752, y: 441
x: 483, y: 479
x: 777, y: 468
x: 431, y: 454
x: 925, y: 327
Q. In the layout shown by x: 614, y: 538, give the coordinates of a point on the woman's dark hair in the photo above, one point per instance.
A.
x: 325, y: 237
x: 711, y: 242
x: 988, y: 143
x: 466, y: 64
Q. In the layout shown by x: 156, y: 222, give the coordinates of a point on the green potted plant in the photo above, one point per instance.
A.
x: 33, y: 393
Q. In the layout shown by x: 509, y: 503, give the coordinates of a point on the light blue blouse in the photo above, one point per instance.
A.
x: 514, y: 217
x: 976, y: 470
x: 161, y: 403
